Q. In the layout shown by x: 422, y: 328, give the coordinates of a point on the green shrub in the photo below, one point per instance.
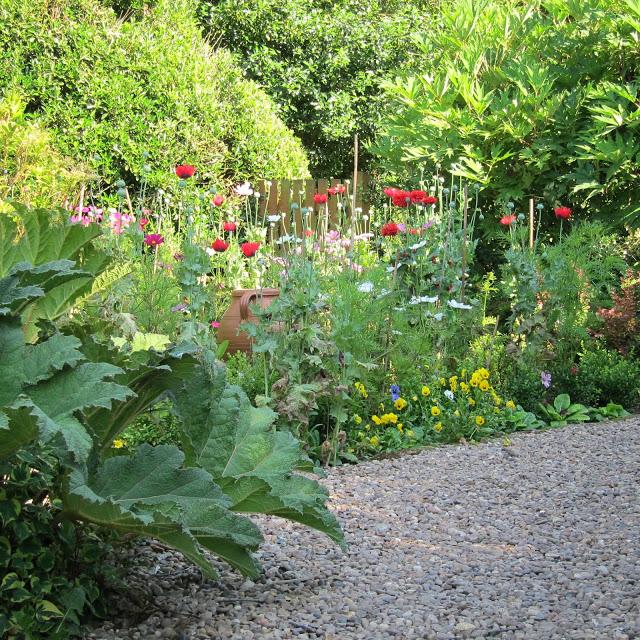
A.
x: 32, y: 171
x: 534, y: 98
x: 603, y: 376
x: 53, y: 573
x: 113, y: 90
x: 321, y: 62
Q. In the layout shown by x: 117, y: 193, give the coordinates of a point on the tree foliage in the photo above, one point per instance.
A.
x: 535, y: 98
x: 322, y: 62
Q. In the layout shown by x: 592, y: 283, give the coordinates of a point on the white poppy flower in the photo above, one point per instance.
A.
x: 365, y: 287
x: 458, y: 305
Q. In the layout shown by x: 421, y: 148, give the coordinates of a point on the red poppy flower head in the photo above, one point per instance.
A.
x: 391, y: 192
x: 185, y: 171
x: 249, y: 249
x: 340, y: 188
x: 508, y: 220
x: 389, y: 229
x: 308, y: 233
x: 401, y: 199
x: 429, y: 200
x: 417, y: 196
x: 217, y: 200
x: 153, y: 239
x: 219, y: 245
x: 320, y: 198
x: 563, y: 213
x: 229, y: 226
x: 332, y: 191
x: 143, y: 222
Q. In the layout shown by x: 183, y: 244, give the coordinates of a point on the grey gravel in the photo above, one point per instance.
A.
x: 455, y: 542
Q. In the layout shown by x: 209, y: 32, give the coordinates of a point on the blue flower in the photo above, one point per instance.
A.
x: 395, y: 392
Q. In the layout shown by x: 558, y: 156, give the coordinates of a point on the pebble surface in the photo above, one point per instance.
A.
x: 532, y: 541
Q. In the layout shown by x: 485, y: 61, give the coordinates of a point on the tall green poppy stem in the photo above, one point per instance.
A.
x: 561, y: 221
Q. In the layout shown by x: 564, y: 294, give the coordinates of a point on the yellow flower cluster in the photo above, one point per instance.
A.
x: 478, y: 377
x: 118, y: 444
x: 453, y: 383
x: 360, y: 388
x: 387, y: 418
x: 510, y: 405
x: 426, y: 391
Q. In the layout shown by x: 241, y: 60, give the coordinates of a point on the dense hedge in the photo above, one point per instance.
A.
x: 111, y: 90
x: 322, y: 62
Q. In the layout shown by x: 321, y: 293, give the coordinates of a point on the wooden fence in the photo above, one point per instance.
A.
x: 279, y: 195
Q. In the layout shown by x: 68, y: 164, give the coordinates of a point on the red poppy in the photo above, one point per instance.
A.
x: 391, y: 192
x: 308, y: 233
x: 562, y: 212
x: 219, y: 245
x: 185, y: 171
x: 340, y: 188
x: 143, y: 222
x: 401, y: 199
x: 508, y: 220
x: 429, y: 200
x: 389, y: 229
x: 218, y: 200
x: 320, y: 198
x: 153, y: 239
x: 417, y: 196
x: 249, y: 248
x: 332, y: 191
x: 229, y: 226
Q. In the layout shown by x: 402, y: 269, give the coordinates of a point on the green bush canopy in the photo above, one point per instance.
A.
x: 535, y: 98
x: 121, y: 93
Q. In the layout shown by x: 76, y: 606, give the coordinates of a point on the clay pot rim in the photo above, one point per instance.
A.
x: 240, y: 292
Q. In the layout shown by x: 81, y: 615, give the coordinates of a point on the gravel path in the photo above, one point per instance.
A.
x: 537, y: 540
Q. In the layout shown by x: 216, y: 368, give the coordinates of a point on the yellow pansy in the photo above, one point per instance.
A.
x: 357, y: 419
x: 400, y: 427
x: 443, y: 382
x: 376, y: 420
x: 118, y: 444
x: 480, y: 420
x: 472, y: 402
x: 464, y: 386
x: 426, y: 391
x: 435, y: 411
x: 453, y: 383
x: 374, y: 440
x: 484, y: 385
x: 438, y: 426
x: 400, y: 404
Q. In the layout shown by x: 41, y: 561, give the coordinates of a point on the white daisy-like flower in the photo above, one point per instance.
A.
x: 365, y: 287
x: 458, y: 305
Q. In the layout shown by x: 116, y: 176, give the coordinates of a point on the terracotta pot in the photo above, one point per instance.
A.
x: 238, y: 312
